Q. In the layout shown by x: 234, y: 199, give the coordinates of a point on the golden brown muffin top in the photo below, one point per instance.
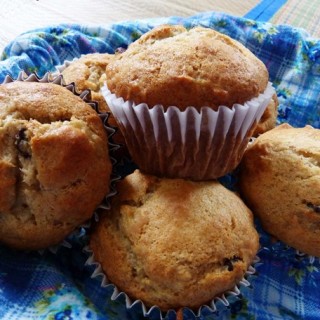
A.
x: 54, y: 163
x: 171, y: 65
x: 280, y: 180
x: 174, y: 242
x: 88, y: 72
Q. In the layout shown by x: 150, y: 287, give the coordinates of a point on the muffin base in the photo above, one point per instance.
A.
x: 215, y: 305
x: 187, y: 144
x: 85, y: 96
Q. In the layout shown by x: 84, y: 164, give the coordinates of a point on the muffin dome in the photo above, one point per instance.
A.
x: 171, y: 65
x: 88, y: 72
x: 54, y: 163
x: 174, y: 243
x: 280, y: 180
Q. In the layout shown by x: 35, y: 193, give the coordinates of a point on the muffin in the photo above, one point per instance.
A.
x: 280, y: 181
x: 187, y: 101
x: 173, y: 242
x: 88, y: 72
x: 54, y: 163
x: 269, y: 117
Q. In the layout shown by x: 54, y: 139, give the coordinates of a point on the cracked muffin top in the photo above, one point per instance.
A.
x: 49, y: 139
x: 88, y: 72
x: 280, y: 180
x: 174, y: 242
x: 171, y: 65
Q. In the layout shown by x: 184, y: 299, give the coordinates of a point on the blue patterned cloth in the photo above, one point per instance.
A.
x: 58, y: 285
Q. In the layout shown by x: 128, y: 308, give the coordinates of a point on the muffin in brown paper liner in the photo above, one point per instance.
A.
x: 24, y: 228
x: 159, y: 249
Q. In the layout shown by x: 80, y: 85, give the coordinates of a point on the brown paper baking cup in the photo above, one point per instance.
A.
x: 217, y: 304
x: 187, y: 144
x: 85, y: 96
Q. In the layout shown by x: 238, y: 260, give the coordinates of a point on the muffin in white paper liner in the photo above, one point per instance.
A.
x: 285, y: 192
x: 224, y: 300
x: 187, y: 144
x: 85, y: 96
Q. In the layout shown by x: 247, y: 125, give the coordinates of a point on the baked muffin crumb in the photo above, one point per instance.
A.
x: 171, y: 65
x: 49, y: 139
x: 174, y: 243
x: 280, y: 180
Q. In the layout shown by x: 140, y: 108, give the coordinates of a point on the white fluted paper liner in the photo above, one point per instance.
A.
x: 147, y: 311
x: 105, y: 204
x: 303, y: 255
x: 284, y: 250
x: 187, y: 144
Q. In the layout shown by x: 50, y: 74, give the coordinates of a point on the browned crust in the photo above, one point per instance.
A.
x: 173, y: 242
x: 280, y: 180
x: 269, y: 117
x: 171, y: 65
x: 88, y: 72
x: 54, y: 163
